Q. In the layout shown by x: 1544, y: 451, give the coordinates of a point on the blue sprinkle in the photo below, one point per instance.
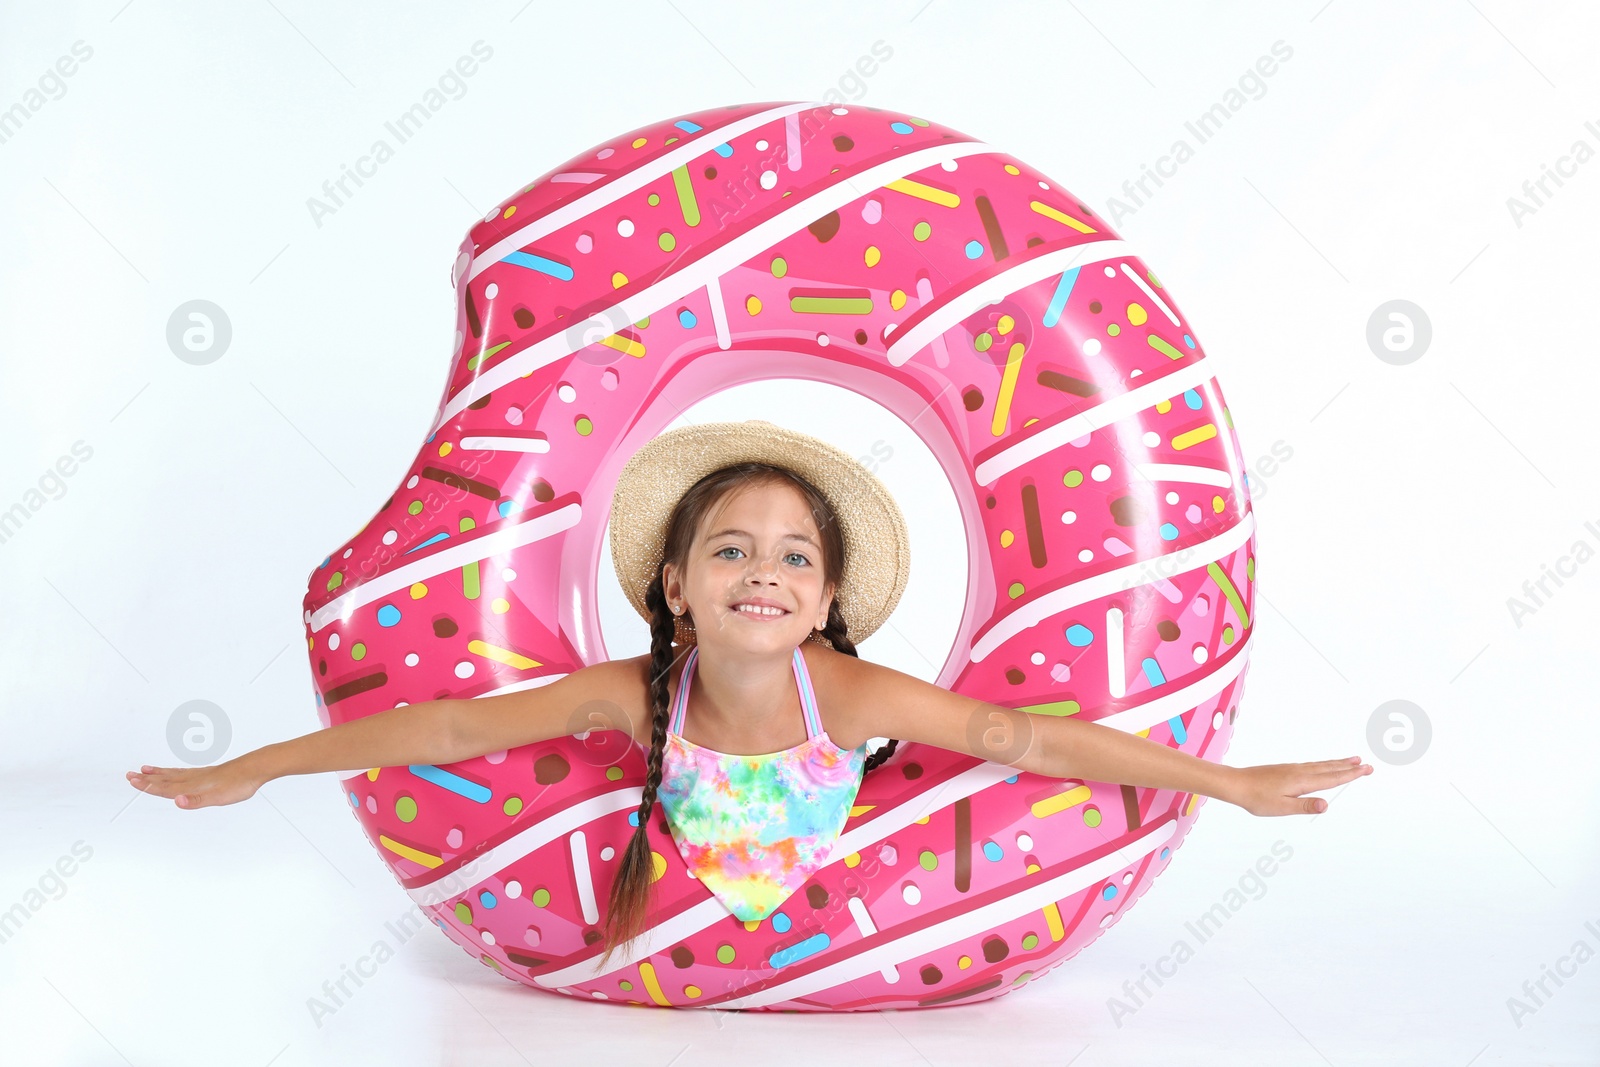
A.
x: 388, y: 615
x: 486, y: 898
x: 780, y: 922
x: 724, y: 150
x: 900, y: 127
x: 1013, y: 779
x: 559, y: 271
x: 1188, y: 340
x: 324, y: 563
x: 688, y: 127
x: 1179, y: 734
x: 425, y: 544
x: 1079, y: 635
x: 974, y: 249
x: 633, y: 818
x: 1169, y: 532
x: 1058, y: 302
x: 992, y: 852
x: 686, y: 318
x: 506, y: 507
x: 354, y: 803
x: 1108, y: 892
x: 452, y: 782
x: 809, y: 947
x: 1192, y: 398
x: 1166, y: 852
x: 1152, y: 672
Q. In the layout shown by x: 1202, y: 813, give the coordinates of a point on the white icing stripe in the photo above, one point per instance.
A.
x: 676, y: 286
x: 1116, y: 669
x: 566, y: 214
x: 968, y: 924
x: 1133, y: 574
x: 1179, y: 472
x: 955, y: 307
x: 719, y: 312
x: 1102, y: 414
x: 554, y: 826
x: 506, y: 444
x: 450, y: 557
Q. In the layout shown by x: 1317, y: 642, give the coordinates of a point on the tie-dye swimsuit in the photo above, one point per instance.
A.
x: 754, y: 828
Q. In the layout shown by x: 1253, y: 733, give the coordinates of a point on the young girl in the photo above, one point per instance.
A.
x: 759, y: 556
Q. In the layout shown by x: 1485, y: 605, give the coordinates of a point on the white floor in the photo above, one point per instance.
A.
x: 204, y: 937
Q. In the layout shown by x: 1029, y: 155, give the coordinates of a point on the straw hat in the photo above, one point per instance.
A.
x: 877, y: 548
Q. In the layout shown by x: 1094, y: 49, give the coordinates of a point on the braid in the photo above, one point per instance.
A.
x: 836, y: 634
x: 630, y: 891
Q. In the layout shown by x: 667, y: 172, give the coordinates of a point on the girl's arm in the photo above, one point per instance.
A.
x: 416, y: 733
x: 1060, y: 746
x: 434, y: 732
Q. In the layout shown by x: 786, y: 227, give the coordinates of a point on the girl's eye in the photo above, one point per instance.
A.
x: 734, y: 548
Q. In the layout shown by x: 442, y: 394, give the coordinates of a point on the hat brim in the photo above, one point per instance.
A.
x: 877, y: 545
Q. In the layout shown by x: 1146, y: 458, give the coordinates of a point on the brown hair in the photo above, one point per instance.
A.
x: 628, y: 908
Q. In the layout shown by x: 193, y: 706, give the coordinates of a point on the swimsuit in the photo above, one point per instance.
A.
x: 754, y: 828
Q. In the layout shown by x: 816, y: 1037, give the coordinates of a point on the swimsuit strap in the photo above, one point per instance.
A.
x: 808, y: 696
x: 802, y: 678
x: 681, y: 701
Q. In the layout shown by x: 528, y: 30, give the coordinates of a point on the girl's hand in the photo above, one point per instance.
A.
x: 1277, y: 788
x: 199, y: 787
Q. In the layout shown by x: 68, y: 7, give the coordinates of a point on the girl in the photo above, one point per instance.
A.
x: 759, y: 556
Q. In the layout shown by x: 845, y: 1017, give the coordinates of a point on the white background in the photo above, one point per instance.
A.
x: 1375, y: 164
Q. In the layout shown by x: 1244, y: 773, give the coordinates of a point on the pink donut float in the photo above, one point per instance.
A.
x: 1103, y: 502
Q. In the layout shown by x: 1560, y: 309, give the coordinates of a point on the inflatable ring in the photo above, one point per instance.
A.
x: 1105, y: 512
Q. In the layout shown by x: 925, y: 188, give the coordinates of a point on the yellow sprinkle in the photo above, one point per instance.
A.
x: 1008, y: 386
x: 873, y: 255
x: 925, y: 192
x: 752, y: 304
x: 423, y: 858
x: 444, y: 449
x: 691, y: 991
x: 512, y: 210
x: 626, y: 345
x: 1051, y: 213
x: 1006, y: 537
x: 502, y: 655
x: 618, y: 280
x: 500, y: 605
x: 640, y: 142
x: 1012, y: 170
x: 922, y: 821
x: 1137, y: 315
x: 372, y: 774
x: 1194, y: 436
x: 1163, y: 406
x: 647, y: 974
x: 658, y: 865
x: 1061, y: 801
x: 1005, y: 325
x: 897, y: 299
x: 1217, y: 505
x: 853, y: 860
x: 419, y: 590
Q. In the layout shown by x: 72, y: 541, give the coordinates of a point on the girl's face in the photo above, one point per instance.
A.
x: 760, y: 544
